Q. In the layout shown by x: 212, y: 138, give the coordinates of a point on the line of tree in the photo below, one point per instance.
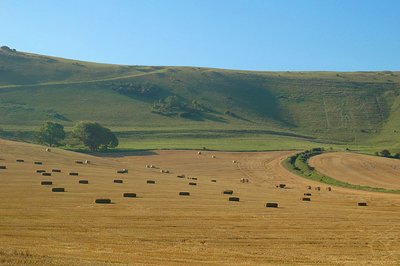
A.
x: 91, y: 134
x: 386, y: 153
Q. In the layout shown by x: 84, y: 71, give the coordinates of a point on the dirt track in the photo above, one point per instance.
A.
x: 160, y: 227
x: 359, y: 169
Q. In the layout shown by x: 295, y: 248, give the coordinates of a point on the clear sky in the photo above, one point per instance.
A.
x: 236, y: 34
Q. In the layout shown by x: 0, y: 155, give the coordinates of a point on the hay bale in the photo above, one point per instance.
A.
x: 318, y: 188
x: 184, y: 193
x: 58, y: 189
x: 227, y: 192
x: 39, y: 163
x: 3, y: 167
x: 40, y: 171
x: 194, y: 178
x: 48, y: 150
x: 271, y: 205
x: 181, y: 176
x: 199, y: 152
x: 213, y: 156
x: 56, y: 170
x: 84, y: 182
x: 306, y: 199
x: 329, y: 188
x: 129, y: 195
x: 118, y: 181
x: 150, y: 182
x: 282, y: 185
x: 79, y: 162
x: 307, y: 194
x: 192, y: 184
x: 362, y: 204
x: 103, y: 201
x: 20, y: 161
x: 213, y: 180
x: 122, y: 171
x: 46, y: 183
x: 147, y: 166
x: 234, y: 161
x: 46, y: 174
x: 233, y: 199
x: 74, y: 173
x: 87, y: 162
x: 308, y: 187
x: 152, y: 166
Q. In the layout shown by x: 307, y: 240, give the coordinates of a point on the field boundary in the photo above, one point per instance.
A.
x: 299, y: 165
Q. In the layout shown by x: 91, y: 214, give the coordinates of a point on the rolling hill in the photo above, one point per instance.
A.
x: 172, y: 107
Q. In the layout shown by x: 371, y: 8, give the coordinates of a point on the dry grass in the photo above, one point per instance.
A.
x: 203, y: 229
x: 359, y: 169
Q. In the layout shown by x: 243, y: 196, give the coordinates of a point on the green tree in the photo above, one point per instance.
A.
x: 385, y: 153
x: 94, y: 136
x: 51, y: 133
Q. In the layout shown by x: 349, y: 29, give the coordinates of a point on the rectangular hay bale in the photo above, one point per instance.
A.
x: 103, y: 201
x: 129, y: 195
x: 271, y: 205
x: 58, y: 189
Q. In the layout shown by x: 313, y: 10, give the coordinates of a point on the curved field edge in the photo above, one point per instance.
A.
x: 299, y: 165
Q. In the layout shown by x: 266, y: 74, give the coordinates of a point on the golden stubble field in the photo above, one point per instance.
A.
x: 360, y: 169
x: 159, y: 227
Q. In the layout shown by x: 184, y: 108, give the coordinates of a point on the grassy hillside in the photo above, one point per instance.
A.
x: 359, y: 108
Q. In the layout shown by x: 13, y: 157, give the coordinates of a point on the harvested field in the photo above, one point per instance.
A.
x: 161, y: 228
x: 359, y: 169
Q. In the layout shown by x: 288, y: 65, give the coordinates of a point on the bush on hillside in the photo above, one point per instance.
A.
x: 138, y: 89
x: 8, y: 49
x: 173, y: 105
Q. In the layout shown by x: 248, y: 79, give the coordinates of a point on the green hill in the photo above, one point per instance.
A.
x: 187, y: 107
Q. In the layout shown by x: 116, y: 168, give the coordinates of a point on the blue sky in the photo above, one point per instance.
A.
x: 340, y: 35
